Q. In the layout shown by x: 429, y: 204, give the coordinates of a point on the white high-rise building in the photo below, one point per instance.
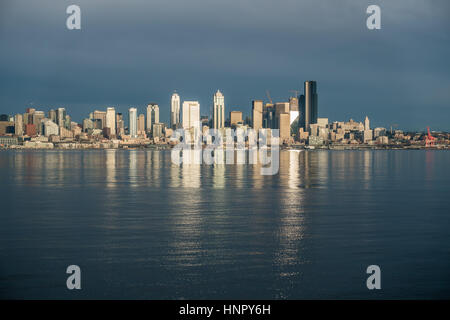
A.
x: 132, y: 113
x: 368, y: 134
x: 367, y: 123
x: 175, y: 111
x: 191, y: 115
x: 219, y: 110
x: 111, y: 120
x: 50, y: 128
x: 152, y: 115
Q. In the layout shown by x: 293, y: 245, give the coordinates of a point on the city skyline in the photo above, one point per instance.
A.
x: 297, y: 123
x: 306, y: 110
x: 246, y: 109
x: 302, y: 109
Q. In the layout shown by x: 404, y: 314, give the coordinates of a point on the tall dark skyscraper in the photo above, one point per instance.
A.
x: 308, y: 105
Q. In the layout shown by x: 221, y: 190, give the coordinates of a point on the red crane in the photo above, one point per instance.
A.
x: 429, y: 139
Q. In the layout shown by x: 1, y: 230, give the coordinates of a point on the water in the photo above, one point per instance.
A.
x: 142, y: 228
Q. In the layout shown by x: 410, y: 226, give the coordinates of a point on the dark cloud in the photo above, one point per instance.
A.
x: 131, y: 52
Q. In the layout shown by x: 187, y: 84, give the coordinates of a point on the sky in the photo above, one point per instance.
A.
x: 130, y: 53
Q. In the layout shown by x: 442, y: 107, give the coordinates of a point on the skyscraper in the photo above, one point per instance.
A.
x: 38, y: 116
x: 309, y: 105
x: 28, y: 116
x: 269, y: 116
x: 257, y: 114
x: 141, y: 125
x: 88, y: 124
x: 132, y: 113
x: 284, y: 126
x: 18, y: 125
x: 293, y: 110
x: 120, y: 124
x: 175, y: 111
x: 111, y: 120
x: 152, y: 115
x: 191, y: 115
x: 61, y: 117
x: 100, y: 115
x: 219, y: 110
x: 52, y: 115
x: 157, y: 130
x: 281, y: 107
x: 368, y: 134
x: 67, y: 122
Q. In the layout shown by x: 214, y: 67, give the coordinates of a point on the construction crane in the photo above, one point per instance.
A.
x: 296, y: 92
x: 268, y: 96
x: 429, y: 139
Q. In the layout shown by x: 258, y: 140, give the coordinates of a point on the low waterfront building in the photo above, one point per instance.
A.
x: 315, y: 141
x: 324, y: 133
x: 8, y: 141
x: 302, y: 134
x: 38, y: 145
x: 168, y: 132
x: 382, y: 140
x: 65, y: 133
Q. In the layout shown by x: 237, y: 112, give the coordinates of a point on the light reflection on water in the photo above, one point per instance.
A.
x: 142, y: 227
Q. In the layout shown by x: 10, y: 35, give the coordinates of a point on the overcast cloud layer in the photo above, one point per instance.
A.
x: 129, y: 53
